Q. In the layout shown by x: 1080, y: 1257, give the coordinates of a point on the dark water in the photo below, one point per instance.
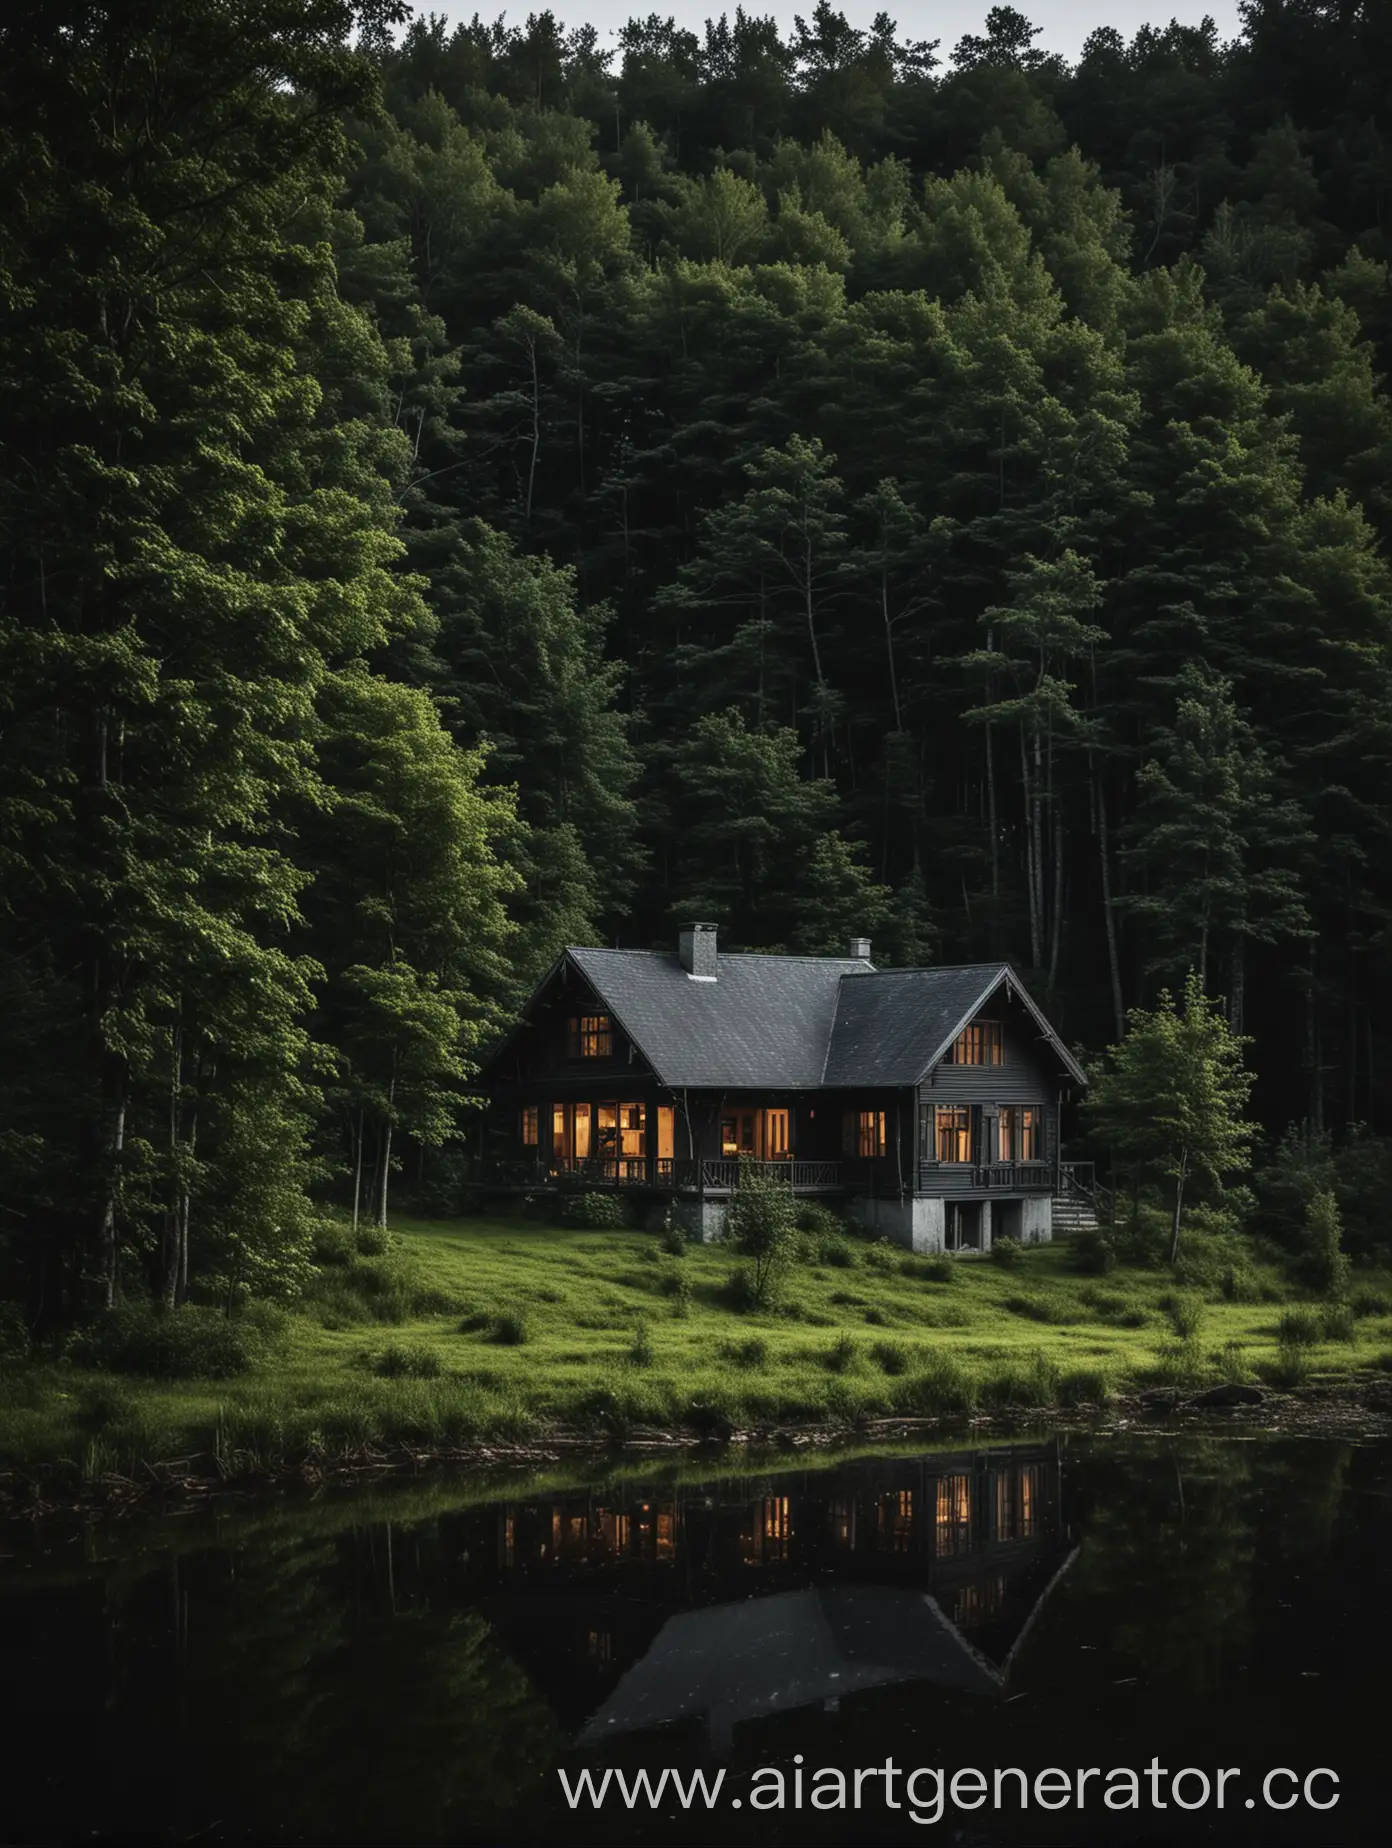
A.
x: 418, y: 1666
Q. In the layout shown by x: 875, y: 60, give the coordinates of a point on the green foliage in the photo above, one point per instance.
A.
x: 843, y: 1356
x: 1324, y: 1263
x: 597, y: 1211
x: 511, y: 1329
x: 1092, y: 1253
x: 1186, y: 1314
x: 836, y: 1252
x: 674, y: 1241
x: 1169, y: 1100
x: 1300, y: 1328
x: 641, y: 1352
x: 397, y: 1362
x: 192, y: 1343
x: 1007, y: 1253
x: 761, y: 1229
x: 891, y: 1357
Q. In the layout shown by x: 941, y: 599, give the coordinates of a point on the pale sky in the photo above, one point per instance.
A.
x: 1066, y: 23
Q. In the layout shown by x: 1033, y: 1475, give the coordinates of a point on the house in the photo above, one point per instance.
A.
x: 925, y: 1102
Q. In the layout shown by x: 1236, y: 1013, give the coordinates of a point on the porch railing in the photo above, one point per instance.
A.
x: 717, y: 1176
x: 721, y: 1176
x: 1015, y: 1176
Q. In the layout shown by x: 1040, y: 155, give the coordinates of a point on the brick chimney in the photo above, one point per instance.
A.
x: 696, y: 947
x: 859, y: 948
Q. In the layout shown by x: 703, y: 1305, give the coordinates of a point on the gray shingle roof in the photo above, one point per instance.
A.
x: 890, y: 1026
x: 766, y: 1022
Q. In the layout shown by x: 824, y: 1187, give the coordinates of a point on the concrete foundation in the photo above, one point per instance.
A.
x: 1037, y: 1220
x: 701, y: 1219
x: 915, y: 1223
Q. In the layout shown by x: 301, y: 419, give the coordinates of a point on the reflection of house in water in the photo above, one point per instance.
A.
x: 756, y: 1596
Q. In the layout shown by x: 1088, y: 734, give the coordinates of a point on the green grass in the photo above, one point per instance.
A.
x: 477, y: 1329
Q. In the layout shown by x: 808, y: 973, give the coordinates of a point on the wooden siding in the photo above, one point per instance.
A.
x: 1026, y: 1075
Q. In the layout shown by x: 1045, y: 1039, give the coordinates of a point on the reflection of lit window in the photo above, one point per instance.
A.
x: 1015, y: 1503
x: 777, y: 1527
x: 601, y: 1647
x: 666, y: 1533
x: 979, y: 1602
x: 843, y: 1521
x: 896, y: 1520
x: 952, y: 1521
x: 510, y: 1541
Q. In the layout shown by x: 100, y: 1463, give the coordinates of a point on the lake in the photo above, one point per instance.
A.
x: 420, y: 1662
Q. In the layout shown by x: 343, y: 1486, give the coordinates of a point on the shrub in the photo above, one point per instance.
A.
x: 844, y: 1357
x: 1300, y: 1328
x: 509, y: 1329
x: 1238, y: 1284
x: 836, y: 1253
x: 942, y: 1386
x: 1291, y: 1367
x: 1092, y: 1253
x: 749, y: 1356
x: 812, y: 1217
x: 597, y: 1212
x: 673, y: 1240
x: 876, y: 1318
x: 890, y: 1357
x: 407, y: 1363
x: 1007, y: 1252
x: 1179, y: 1365
x: 1035, y: 1381
x: 372, y: 1241
x: 1324, y: 1264
x: 331, y: 1243
x: 675, y: 1283
x: 641, y: 1352
x: 738, y: 1292
x: 1032, y: 1308
x: 1367, y: 1300
x: 1337, y: 1323
x: 192, y: 1343
x: 1229, y: 1362
x: 1186, y: 1314
x: 939, y: 1269
x: 760, y: 1227
x: 881, y: 1256
x: 1084, y: 1386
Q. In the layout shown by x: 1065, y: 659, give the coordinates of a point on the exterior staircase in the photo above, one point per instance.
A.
x: 1080, y: 1204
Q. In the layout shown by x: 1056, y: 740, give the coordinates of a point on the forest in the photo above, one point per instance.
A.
x: 465, y: 491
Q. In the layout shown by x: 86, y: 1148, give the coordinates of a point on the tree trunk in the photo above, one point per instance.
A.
x: 1109, y: 914
x: 358, y: 1169
x: 386, y: 1159
x: 114, y: 1148
x: 889, y: 649
x: 1237, y: 984
x: 1178, y: 1203
x: 169, y: 1242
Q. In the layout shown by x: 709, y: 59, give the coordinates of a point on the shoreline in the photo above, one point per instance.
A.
x: 1357, y: 1411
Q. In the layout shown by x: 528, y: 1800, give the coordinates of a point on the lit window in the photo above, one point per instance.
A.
x: 531, y: 1118
x: 591, y: 1036
x: 1019, y: 1132
x: 870, y: 1132
x: 954, y: 1132
x: 982, y: 1043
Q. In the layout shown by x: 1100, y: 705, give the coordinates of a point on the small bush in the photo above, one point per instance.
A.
x: 407, y: 1363
x: 812, y: 1217
x: 509, y: 1329
x: 890, y: 1357
x: 1015, y: 1383
x: 1367, y: 1300
x: 331, y: 1243
x: 881, y: 1256
x: 1337, y: 1322
x: 1007, y: 1252
x: 673, y: 1240
x: 372, y: 1241
x: 836, y: 1253
x: 192, y: 1343
x: 1186, y: 1314
x: 876, y: 1318
x: 942, y: 1386
x: 1291, y: 1367
x: 1084, y: 1386
x: 1230, y: 1364
x: 1300, y: 1328
x: 1032, y: 1308
x: 641, y: 1352
x: 597, y: 1212
x: 740, y: 1293
x: 939, y: 1269
x: 1179, y: 1365
x: 844, y: 1357
x: 749, y: 1356
x: 1092, y: 1253
x: 760, y: 1227
x: 1324, y: 1264
x: 1238, y: 1284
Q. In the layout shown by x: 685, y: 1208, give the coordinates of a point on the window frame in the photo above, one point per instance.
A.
x: 531, y: 1126
x: 1022, y: 1125
x: 980, y: 1043
x: 590, y: 1036
x: 961, y: 1130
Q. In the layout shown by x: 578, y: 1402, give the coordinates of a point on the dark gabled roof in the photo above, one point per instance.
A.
x: 893, y: 1027
x: 765, y: 1023
x: 771, y: 1022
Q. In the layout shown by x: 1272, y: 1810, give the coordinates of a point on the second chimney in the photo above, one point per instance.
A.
x: 696, y: 948
x: 859, y: 949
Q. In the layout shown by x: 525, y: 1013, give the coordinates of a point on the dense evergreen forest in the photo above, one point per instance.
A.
x: 467, y: 492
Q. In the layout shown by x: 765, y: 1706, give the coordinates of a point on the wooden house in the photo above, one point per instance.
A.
x: 923, y: 1101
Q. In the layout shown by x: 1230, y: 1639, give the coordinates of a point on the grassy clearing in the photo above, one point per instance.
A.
x: 474, y: 1329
